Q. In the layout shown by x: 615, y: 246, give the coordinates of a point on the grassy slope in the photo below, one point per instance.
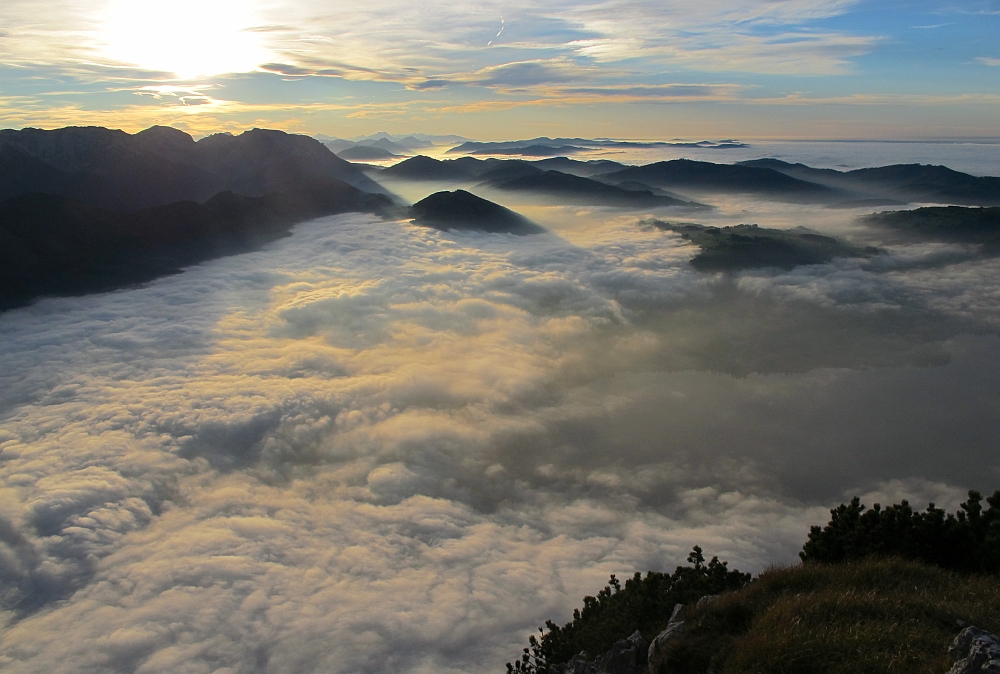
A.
x: 872, y: 616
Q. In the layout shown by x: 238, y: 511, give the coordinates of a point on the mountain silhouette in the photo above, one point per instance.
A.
x: 575, y: 167
x: 116, y: 170
x: 465, y: 211
x: 427, y: 168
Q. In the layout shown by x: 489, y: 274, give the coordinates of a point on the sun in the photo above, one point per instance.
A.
x: 189, y: 38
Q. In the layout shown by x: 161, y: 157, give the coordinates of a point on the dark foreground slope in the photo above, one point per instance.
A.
x: 750, y: 246
x: 54, y: 245
x: 880, y: 590
x: 465, y: 211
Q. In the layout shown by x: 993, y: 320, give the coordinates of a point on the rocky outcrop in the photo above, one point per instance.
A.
x: 627, y: 656
x: 975, y: 651
x: 635, y: 656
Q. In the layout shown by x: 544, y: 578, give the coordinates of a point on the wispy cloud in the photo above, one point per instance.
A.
x: 989, y: 61
x: 879, y: 100
x: 386, y: 58
x: 386, y: 36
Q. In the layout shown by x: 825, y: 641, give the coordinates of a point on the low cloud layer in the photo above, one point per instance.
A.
x: 374, y: 446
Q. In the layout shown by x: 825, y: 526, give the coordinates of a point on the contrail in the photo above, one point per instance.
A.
x: 502, y: 26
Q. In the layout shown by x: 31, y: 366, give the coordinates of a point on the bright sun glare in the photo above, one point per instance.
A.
x: 186, y: 37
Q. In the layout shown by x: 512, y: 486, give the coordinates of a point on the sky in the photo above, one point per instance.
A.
x: 500, y: 69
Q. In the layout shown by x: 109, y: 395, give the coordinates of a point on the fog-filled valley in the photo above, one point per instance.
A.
x: 373, y: 445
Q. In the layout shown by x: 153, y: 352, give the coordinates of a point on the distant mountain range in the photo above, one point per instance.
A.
x: 532, y: 177
x: 89, y: 208
x: 905, y: 182
x: 393, y: 144
x: 768, y: 178
x: 550, y: 147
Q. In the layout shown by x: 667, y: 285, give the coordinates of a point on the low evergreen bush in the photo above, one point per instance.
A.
x: 967, y: 541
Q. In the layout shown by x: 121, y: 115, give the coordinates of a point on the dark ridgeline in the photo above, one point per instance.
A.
x: 947, y: 224
x: 566, y: 187
x: 514, y: 146
x: 569, y: 145
x: 469, y: 169
x: 365, y: 152
x: 907, y: 182
x: 722, y: 177
x: 90, y: 209
x: 465, y: 211
x: 428, y: 168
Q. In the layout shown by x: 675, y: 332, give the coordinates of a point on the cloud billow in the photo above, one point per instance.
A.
x: 374, y: 445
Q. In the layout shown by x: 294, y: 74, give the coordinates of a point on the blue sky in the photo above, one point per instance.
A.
x: 503, y: 68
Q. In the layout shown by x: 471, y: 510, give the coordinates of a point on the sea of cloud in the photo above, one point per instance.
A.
x: 377, y: 447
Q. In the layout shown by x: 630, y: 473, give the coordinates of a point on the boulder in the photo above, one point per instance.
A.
x: 975, y: 651
x: 656, y: 653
